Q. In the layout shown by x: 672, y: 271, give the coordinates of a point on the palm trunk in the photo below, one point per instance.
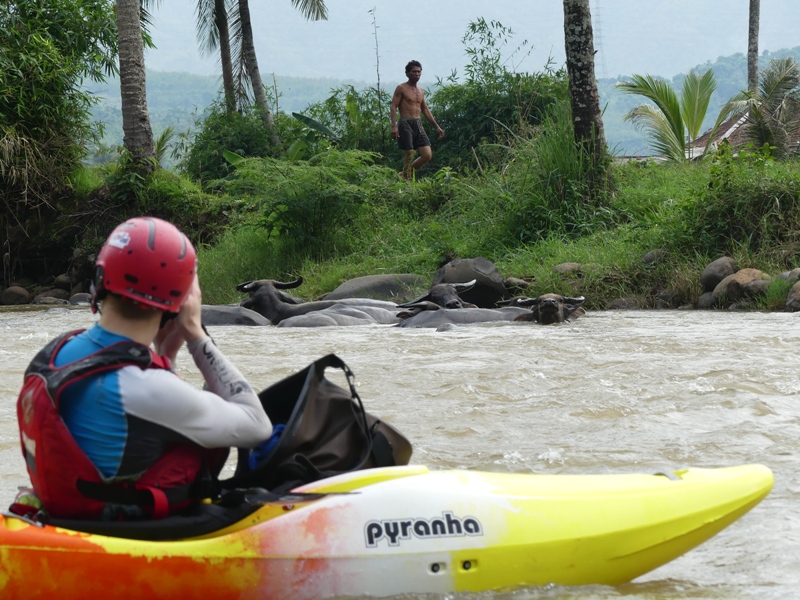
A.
x: 251, y: 63
x: 584, y: 98
x: 752, y: 46
x: 228, y: 85
x: 138, y: 135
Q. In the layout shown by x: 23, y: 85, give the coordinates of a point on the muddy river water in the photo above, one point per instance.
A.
x: 612, y: 392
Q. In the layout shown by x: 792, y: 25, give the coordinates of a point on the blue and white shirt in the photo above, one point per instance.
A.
x: 123, y: 419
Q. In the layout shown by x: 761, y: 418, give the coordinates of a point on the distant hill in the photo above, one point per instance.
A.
x: 179, y: 99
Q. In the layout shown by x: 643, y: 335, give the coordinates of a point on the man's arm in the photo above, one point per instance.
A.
x: 429, y: 116
x: 396, y: 98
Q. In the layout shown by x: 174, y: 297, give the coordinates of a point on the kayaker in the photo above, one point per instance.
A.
x: 108, y: 430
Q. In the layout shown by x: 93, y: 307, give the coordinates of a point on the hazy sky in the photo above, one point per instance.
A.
x: 661, y: 37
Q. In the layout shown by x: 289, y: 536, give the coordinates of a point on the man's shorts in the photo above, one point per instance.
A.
x: 412, y: 134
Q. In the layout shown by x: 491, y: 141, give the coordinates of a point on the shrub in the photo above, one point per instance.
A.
x: 45, y: 52
x: 545, y: 188
x: 201, y: 153
x: 750, y: 201
x: 493, y: 101
x: 359, y: 118
x: 309, y: 206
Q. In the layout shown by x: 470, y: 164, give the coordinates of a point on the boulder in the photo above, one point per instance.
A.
x: 793, y: 298
x: 63, y: 282
x: 792, y: 275
x: 655, y: 257
x: 80, y: 298
x: 53, y: 292
x: 623, y: 304
x: 668, y: 299
x: 731, y: 288
x: 15, y: 294
x: 516, y: 286
x: 44, y: 300
x: 569, y: 269
x: 756, y: 288
x: 716, y: 272
x: 706, y: 300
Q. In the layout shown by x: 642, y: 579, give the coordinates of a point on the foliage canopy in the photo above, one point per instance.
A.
x: 46, y: 50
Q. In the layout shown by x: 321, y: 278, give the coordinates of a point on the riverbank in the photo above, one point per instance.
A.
x: 651, y: 238
x: 341, y: 216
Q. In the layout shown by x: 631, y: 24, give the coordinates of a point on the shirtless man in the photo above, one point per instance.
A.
x: 409, y: 99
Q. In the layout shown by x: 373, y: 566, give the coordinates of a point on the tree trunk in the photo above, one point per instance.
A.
x: 251, y: 64
x: 228, y: 85
x: 584, y: 98
x: 752, y: 46
x: 138, y: 135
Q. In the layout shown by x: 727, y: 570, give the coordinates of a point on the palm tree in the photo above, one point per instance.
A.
x: 752, y: 45
x: 251, y: 65
x: 584, y: 98
x: 673, y: 124
x: 138, y: 135
x: 213, y: 33
x: 214, y: 19
x: 772, y: 111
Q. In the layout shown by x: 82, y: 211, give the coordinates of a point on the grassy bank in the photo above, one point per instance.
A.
x: 350, y: 218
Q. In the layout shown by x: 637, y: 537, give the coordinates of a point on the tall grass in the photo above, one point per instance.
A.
x: 242, y: 255
x: 546, y: 183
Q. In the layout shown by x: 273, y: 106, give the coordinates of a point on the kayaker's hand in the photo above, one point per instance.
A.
x: 189, y: 321
x: 169, y: 340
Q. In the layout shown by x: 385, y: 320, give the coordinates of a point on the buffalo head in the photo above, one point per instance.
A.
x: 442, y: 295
x: 548, y: 308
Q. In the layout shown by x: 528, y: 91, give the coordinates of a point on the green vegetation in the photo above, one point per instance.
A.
x: 673, y: 123
x: 772, y: 111
x: 179, y: 99
x: 44, y: 116
x: 681, y: 208
x: 509, y: 184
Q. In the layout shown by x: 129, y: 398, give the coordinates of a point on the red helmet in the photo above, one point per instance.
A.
x: 146, y: 260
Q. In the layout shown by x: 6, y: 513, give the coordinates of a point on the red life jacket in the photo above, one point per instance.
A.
x: 64, y: 479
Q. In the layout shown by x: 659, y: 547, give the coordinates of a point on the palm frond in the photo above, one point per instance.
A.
x: 206, y: 22
x: 666, y: 101
x: 772, y: 112
x: 778, y: 80
x: 244, y: 90
x: 655, y: 121
x: 313, y: 10
x: 695, y: 97
x: 146, y: 17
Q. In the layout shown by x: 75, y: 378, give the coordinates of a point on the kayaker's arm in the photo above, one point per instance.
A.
x: 228, y: 414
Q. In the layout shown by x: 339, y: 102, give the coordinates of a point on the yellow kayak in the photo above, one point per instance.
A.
x: 399, y: 530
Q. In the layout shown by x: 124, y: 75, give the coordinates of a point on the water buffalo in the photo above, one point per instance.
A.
x: 266, y: 297
x: 444, y: 295
x: 227, y: 314
x: 343, y: 315
x: 462, y: 316
x: 548, y: 309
